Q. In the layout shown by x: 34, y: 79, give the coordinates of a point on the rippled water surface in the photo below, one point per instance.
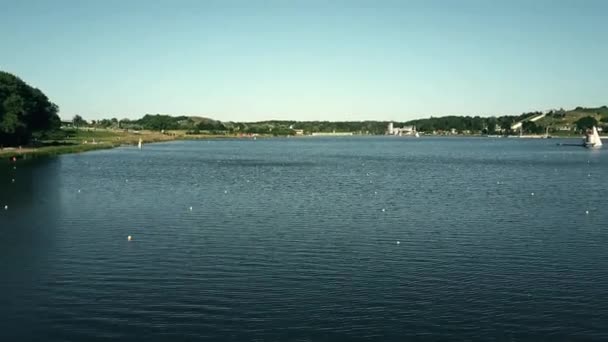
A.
x: 307, y: 240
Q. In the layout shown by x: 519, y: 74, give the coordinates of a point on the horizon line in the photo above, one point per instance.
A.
x: 63, y: 118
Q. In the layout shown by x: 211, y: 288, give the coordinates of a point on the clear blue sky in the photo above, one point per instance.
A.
x: 305, y: 60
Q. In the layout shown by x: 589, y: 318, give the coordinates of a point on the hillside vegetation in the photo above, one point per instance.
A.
x: 556, y: 121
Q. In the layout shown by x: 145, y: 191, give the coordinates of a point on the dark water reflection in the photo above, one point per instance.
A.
x: 296, y: 240
x: 31, y: 191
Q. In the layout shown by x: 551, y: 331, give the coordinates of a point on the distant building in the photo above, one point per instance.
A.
x: 405, y: 130
x: 299, y: 131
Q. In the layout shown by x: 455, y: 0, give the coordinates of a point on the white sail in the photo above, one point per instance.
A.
x: 139, y: 144
x: 592, y: 139
x: 596, y: 136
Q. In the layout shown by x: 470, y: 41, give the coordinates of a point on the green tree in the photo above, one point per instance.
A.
x: 105, y: 123
x: 532, y: 128
x: 78, y: 121
x: 586, y: 122
x: 209, y: 125
x: 24, y: 111
x: 158, y: 122
x: 491, y: 125
x: 124, y: 123
x: 505, y: 125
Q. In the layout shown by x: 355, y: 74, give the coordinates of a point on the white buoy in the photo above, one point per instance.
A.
x: 587, y: 212
x: 190, y: 208
x: 532, y: 194
x: 383, y: 210
x: 126, y: 181
x: 225, y: 191
x: 13, y: 180
x: 78, y: 190
x: 129, y: 238
x: 398, y: 242
x: 6, y: 207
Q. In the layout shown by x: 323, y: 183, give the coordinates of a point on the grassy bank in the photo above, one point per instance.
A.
x: 87, y: 140
x: 51, y: 150
x: 83, y: 140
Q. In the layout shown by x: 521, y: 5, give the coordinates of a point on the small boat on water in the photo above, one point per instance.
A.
x: 139, y: 143
x: 417, y: 135
x: 592, y: 138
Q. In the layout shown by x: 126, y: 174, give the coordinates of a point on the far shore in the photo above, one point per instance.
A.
x: 90, y: 140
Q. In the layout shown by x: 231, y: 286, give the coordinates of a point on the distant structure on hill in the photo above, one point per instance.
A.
x: 405, y: 130
x: 331, y: 134
x: 519, y: 125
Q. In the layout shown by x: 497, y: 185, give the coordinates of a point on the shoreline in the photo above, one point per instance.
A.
x: 119, y: 139
x: 110, y: 140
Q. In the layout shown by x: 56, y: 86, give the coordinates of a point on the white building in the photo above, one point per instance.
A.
x: 405, y: 130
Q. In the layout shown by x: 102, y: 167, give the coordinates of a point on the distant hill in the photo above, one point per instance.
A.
x: 566, y: 120
x: 559, y: 120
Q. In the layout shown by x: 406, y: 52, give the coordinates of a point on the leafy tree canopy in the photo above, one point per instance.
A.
x: 78, y: 121
x: 586, y: 122
x: 24, y: 111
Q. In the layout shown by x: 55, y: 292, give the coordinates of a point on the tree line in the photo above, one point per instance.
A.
x: 461, y: 124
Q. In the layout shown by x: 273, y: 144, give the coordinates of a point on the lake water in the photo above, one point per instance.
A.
x: 312, y: 239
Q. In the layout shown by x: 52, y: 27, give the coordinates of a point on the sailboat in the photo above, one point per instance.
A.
x: 592, y: 139
x: 139, y: 144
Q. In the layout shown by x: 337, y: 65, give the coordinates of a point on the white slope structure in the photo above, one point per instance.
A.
x: 592, y: 139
